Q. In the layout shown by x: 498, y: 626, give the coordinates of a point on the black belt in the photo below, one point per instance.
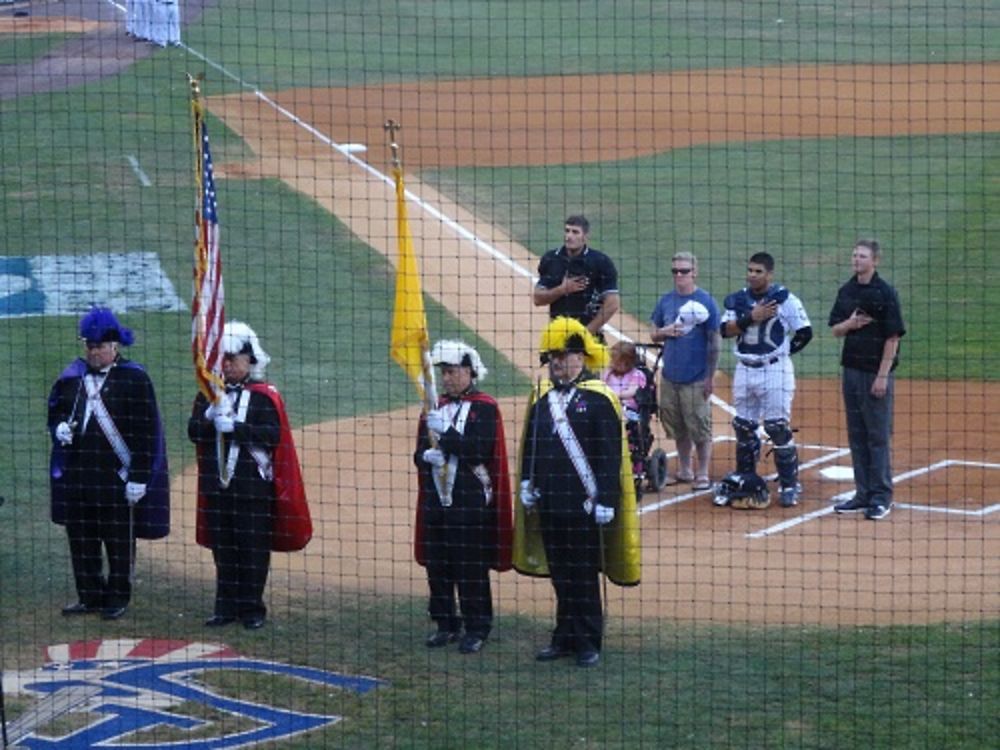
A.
x: 760, y: 363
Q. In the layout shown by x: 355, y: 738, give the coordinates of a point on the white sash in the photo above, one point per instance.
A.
x: 561, y: 426
x: 444, y: 478
x: 97, y: 409
x: 259, y: 455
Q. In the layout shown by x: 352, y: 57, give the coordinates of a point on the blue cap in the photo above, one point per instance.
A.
x: 100, y: 324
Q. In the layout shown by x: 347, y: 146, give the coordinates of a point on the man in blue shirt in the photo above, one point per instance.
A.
x: 686, y: 321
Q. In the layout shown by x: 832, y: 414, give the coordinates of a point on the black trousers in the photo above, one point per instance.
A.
x: 241, y: 528
x: 572, y: 547
x: 97, y: 524
x: 459, y: 546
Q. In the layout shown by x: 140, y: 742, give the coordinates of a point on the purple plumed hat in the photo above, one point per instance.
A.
x: 100, y: 324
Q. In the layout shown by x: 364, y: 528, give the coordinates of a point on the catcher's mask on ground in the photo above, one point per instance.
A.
x: 744, y: 491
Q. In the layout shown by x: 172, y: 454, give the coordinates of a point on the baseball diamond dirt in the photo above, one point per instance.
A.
x: 934, y: 560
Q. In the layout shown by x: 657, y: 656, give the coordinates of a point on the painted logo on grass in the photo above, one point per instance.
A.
x: 147, y: 694
x: 72, y: 284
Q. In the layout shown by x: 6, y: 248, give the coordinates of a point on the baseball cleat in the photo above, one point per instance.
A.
x: 878, y: 511
x: 854, y: 505
x: 789, y: 496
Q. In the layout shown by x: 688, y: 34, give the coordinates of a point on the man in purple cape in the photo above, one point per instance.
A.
x: 108, y: 469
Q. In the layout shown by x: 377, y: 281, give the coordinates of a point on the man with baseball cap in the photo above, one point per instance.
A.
x: 686, y: 321
x: 577, y: 514
x: 463, y: 525
x: 109, y: 465
x: 254, y: 502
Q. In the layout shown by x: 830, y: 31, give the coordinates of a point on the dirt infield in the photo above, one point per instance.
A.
x: 933, y: 560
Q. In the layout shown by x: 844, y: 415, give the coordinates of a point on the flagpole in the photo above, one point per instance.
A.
x: 429, y: 386
x: 214, y: 392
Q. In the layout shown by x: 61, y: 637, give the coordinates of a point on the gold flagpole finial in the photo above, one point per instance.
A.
x: 195, y: 83
x: 392, y: 127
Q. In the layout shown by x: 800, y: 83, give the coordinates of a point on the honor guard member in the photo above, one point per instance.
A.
x: 577, y: 281
x: 109, y: 465
x: 577, y: 513
x: 251, y: 499
x: 463, y: 525
x: 769, y: 324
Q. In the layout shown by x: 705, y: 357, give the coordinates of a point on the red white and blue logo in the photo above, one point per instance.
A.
x: 153, y: 693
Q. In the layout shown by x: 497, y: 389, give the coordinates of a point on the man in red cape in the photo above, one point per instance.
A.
x: 254, y: 503
x: 464, y: 521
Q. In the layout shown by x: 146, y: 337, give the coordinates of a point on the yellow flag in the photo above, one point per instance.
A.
x: 410, y: 342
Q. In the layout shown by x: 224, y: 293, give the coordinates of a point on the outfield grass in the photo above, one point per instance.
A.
x: 805, y: 201
x: 321, y: 300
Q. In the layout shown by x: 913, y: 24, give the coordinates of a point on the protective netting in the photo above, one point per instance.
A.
x: 818, y: 528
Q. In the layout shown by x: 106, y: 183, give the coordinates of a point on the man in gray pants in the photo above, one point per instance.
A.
x: 867, y: 315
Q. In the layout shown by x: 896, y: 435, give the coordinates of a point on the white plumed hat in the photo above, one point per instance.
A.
x: 239, y: 338
x: 459, y: 354
x: 691, y: 314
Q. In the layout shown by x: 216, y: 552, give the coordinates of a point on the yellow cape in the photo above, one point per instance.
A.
x: 622, y: 553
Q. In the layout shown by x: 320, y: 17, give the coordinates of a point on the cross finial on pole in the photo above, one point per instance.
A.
x: 392, y: 127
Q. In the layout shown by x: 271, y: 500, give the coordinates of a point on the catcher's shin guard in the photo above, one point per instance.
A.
x: 747, y: 445
x: 786, y: 454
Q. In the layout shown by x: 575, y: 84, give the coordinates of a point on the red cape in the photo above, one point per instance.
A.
x: 500, y: 477
x: 292, y: 523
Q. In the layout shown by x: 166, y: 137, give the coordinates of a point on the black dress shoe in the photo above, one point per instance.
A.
x: 588, y: 658
x: 78, y: 609
x: 471, y: 644
x: 440, y: 638
x: 254, y: 623
x: 217, y: 621
x: 113, y: 613
x: 551, y: 653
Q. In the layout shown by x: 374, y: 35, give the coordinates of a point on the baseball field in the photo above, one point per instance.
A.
x: 720, y: 128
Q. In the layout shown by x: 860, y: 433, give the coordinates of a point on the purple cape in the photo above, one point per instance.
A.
x: 152, y: 513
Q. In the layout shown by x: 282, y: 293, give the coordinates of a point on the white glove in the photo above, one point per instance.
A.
x: 603, y: 515
x: 434, y: 457
x: 222, y: 409
x: 64, y: 433
x: 529, y: 495
x: 224, y: 423
x: 134, y: 492
x: 437, y: 421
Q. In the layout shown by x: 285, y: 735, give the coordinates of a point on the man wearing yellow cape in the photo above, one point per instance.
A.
x: 577, y: 511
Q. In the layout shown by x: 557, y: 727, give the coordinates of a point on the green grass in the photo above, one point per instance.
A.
x: 660, y: 684
x: 321, y: 301
x: 373, y: 41
x: 805, y: 201
x: 22, y: 48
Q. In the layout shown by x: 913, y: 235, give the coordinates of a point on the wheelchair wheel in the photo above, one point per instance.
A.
x: 638, y: 489
x: 657, y: 470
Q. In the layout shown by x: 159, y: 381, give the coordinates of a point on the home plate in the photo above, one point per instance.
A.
x: 353, y: 148
x: 837, y: 473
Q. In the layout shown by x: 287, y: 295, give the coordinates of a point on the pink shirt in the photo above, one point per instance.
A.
x: 618, y: 383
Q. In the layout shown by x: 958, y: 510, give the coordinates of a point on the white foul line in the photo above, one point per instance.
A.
x: 143, y: 179
x: 982, y: 512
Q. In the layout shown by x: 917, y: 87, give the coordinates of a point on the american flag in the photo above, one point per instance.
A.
x: 208, y: 306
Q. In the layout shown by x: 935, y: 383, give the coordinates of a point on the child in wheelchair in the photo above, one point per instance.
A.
x: 635, y: 385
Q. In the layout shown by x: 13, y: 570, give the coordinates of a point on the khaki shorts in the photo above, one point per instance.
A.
x: 685, y: 413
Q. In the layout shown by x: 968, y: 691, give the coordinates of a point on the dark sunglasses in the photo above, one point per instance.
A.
x: 681, y: 271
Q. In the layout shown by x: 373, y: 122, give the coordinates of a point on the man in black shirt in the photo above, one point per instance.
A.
x: 867, y: 315
x: 577, y: 281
